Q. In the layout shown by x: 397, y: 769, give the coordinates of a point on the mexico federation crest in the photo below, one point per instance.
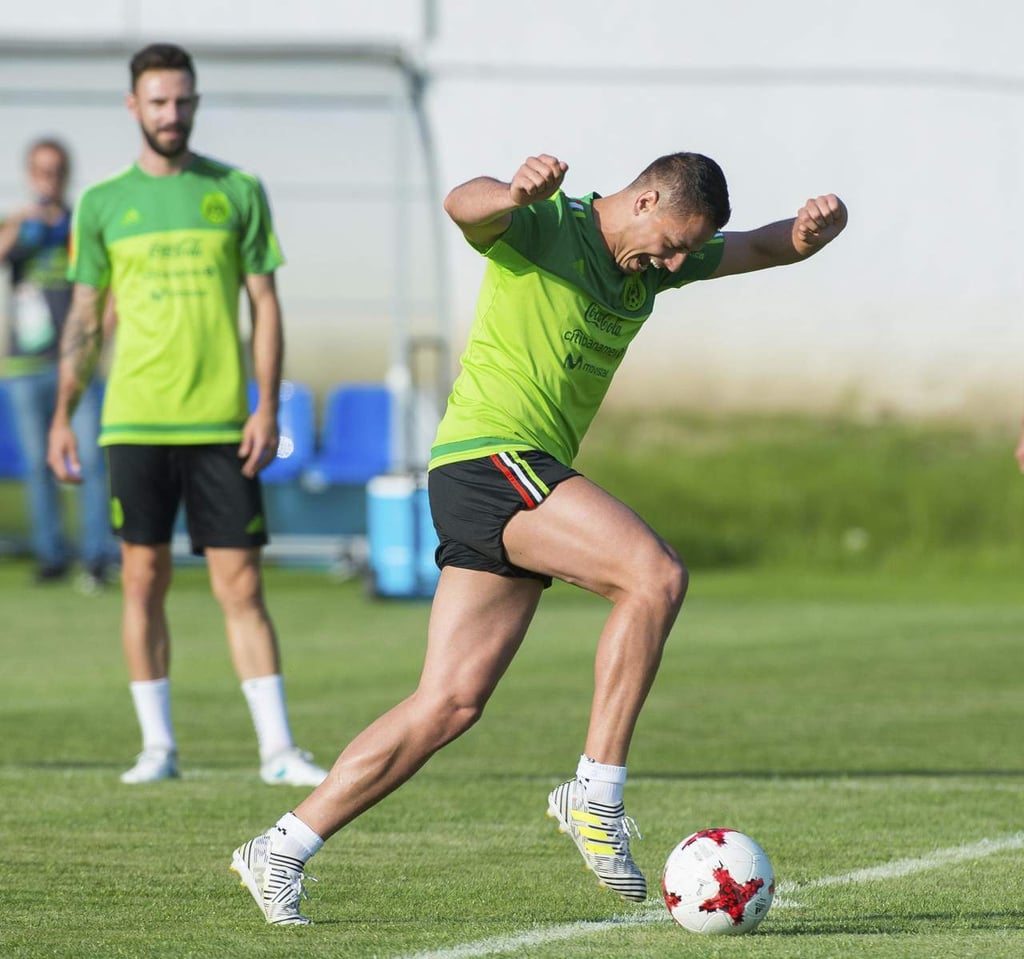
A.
x: 634, y: 293
x: 215, y: 208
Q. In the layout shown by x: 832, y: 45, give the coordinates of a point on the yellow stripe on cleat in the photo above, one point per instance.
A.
x: 586, y: 817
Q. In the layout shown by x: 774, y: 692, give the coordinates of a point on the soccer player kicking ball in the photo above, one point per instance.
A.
x: 569, y: 282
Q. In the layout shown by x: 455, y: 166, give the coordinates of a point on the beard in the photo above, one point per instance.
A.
x: 169, y: 152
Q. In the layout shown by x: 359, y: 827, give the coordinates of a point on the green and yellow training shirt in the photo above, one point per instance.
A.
x: 553, y: 320
x: 174, y: 250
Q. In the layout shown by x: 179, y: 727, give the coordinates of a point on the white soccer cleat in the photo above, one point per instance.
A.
x: 151, y: 766
x: 273, y: 880
x: 292, y: 767
x: 602, y: 835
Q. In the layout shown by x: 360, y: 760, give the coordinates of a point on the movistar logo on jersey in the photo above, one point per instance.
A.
x: 634, y: 293
x: 130, y: 217
x: 575, y: 361
x: 215, y: 208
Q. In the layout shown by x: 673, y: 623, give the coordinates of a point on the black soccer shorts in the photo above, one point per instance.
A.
x: 223, y: 508
x: 472, y: 501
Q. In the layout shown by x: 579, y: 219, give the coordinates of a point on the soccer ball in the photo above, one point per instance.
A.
x: 718, y: 882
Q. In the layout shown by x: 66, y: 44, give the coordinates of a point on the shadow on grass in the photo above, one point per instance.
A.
x: 769, y: 774
x: 759, y: 774
x: 195, y: 773
x: 884, y: 924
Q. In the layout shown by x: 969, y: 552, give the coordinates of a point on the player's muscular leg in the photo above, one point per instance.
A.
x: 477, y: 623
x: 585, y: 536
x: 237, y: 584
x: 146, y: 577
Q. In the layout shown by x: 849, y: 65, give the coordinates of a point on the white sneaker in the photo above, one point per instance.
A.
x: 273, y: 880
x: 292, y: 767
x: 151, y: 766
x: 601, y: 834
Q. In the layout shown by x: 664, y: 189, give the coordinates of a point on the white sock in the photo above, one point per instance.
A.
x: 604, y: 783
x: 152, y: 698
x: 265, y: 696
x: 292, y: 837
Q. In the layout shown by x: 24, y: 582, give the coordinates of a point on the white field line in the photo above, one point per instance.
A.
x: 903, y: 867
x: 655, y: 910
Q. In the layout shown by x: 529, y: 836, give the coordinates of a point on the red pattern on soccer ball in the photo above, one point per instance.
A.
x: 671, y: 899
x: 732, y: 897
x: 715, y: 835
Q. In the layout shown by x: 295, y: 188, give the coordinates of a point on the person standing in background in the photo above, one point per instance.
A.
x: 175, y: 238
x: 34, y: 243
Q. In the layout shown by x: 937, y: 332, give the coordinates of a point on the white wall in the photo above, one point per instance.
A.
x: 215, y: 21
x: 911, y: 111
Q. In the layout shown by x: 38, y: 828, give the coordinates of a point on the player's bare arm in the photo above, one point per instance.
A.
x: 482, y: 207
x: 80, y: 347
x: 260, y: 434
x: 109, y: 318
x: 817, y: 223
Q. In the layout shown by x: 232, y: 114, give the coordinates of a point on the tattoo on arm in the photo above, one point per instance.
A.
x: 80, y: 346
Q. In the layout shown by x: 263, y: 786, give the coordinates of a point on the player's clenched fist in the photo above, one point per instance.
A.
x: 819, y: 221
x: 537, y: 179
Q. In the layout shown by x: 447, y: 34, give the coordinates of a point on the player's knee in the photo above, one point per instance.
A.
x: 463, y: 717
x: 678, y: 581
x: 664, y: 580
x: 453, y: 715
x: 463, y: 713
x: 237, y: 592
x: 145, y: 580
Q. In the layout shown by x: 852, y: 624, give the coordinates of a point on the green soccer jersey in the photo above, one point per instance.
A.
x: 174, y: 251
x: 553, y: 321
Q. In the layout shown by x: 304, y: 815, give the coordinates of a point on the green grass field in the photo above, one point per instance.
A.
x: 849, y: 721
x: 862, y: 721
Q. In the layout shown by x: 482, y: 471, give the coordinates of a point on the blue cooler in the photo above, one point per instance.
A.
x: 401, y: 536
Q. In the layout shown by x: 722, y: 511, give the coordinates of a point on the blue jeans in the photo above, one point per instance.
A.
x: 33, y: 396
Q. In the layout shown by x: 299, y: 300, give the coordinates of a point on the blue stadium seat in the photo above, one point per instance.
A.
x: 296, y: 421
x: 12, y: 462
x: 355, y: 441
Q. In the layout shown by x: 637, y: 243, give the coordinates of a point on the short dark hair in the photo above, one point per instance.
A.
x: 689, y: 183
x: 51, y: 143
x: 161, y: 56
